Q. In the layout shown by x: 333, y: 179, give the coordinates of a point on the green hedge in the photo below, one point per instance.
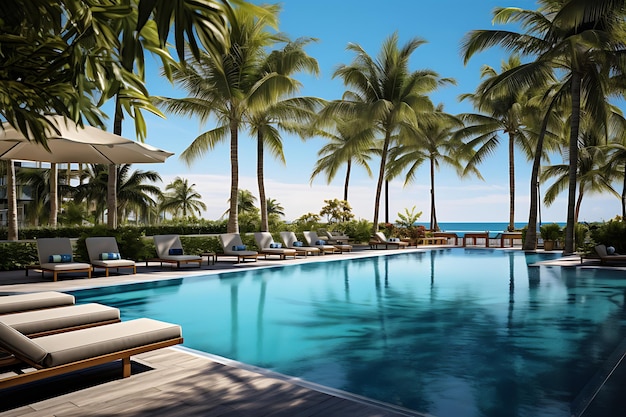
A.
x: 16, y: 255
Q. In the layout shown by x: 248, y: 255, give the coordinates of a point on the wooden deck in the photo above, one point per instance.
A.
x: 172, y: 382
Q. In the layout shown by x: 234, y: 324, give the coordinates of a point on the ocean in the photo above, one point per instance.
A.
x: 463, y: 227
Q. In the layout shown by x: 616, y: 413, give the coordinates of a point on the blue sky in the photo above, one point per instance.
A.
x: 335, y: 23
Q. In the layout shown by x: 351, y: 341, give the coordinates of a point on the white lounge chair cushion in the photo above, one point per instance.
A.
x: 63, y: 348
x: 69, y: 266
x: 182, y: 257
x: 113, y: 263
x: 98, y: 245
x: 34, y: 301
x: 31, y: 322
x: 279, y: 251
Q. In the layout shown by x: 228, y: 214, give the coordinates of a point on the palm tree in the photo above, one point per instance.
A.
x: 246, y: 202
x: 274, y: 208
x: 66, y: 57
x: 595, y: 173
x: 222, y: 85
x: 181, y: 197
x: 348, y: 142
x: 579, y: 39
x: 290, y: 114
x: 500, y: 112
x: 132, y: 189
x: 388, y: 94
x: 433, y: 141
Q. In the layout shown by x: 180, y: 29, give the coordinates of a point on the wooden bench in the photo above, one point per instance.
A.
x: 448, y: 235
x: 435, y: 240
x: 474, y: 238
x: 510, y: 236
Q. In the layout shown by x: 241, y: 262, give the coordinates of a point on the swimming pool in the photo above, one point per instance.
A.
x: 450, y: 332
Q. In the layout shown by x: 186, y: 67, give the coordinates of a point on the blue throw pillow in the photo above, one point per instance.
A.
x: 239, y: 247
x: 276, y: 245
x: 110, y: 256
x: 176, y: 251
x: 298, y: 244
x: 320, y: 242
x: 60, y: 258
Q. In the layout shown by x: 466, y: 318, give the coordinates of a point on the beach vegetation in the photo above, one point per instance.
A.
x: 582, y: 42
x: 181, y: 199
x: 594, y: 174
x: 348, y: 143
x: 433, y: 142
x: 610, y: 233
x: 337, y: 211
x: 227, y: 86
x: 408, y: 218
x: 284, y: 111
x: 385, y: 92
x: 499, y: 111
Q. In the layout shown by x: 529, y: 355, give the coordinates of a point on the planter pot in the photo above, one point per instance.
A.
x: 548, y: 245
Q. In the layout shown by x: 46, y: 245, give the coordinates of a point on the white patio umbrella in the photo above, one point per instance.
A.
x: 79, y: 145
x: 75, y: 144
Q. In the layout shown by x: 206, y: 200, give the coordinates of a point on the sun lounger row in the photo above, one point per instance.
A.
x: 290, y: 246
x: 44, y: 332
x: 56, y: 254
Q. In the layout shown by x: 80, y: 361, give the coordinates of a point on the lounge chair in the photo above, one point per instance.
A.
x: 170, y: 250
x: 70, y: 351
x: 267, y: 246
x: 56, y: 256
x: 605, y: 257
x: 379, y: 238
x: 332, y: 238
x: 291, y: 241
x: 313, y: 240
x: 34, y: 301
x: 233, y: 246
x: 61, y: 319
x: 104, y: 253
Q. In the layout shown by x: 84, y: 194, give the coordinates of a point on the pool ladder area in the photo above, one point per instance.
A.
x: 589, y: 392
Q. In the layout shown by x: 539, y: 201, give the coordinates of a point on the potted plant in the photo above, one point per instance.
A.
x: 550, y: 233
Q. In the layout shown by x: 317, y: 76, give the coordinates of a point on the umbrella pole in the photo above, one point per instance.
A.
x: 54, y: 200
x: 12, y: 202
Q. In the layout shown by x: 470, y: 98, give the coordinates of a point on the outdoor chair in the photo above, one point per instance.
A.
x: 291, y: 241
x: 170, y: 250
x: 313, y: 240
x: 56, y: 256
x: 61, y: 353
x: 267, y: 246
x: 34, y: 301
x: 233, y: 246
x: 104, y: 253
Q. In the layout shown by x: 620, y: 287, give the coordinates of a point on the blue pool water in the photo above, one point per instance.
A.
x: 451, y: 332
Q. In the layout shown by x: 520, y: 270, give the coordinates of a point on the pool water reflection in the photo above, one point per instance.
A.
x: 451, y: 332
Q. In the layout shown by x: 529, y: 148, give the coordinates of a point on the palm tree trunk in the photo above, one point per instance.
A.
x: 433, y: 216
x: 511, y: 182
x: 261, y: 182
x: 347, y: 181
x: 112, y: 179
x: 381, y: 178
x: 573, y: 164
x: 579, y: 202
x: 54, y: 199
x: 530, y: 243
x: 233, y: 221
x: 624, y: 196
x: 12, y: 202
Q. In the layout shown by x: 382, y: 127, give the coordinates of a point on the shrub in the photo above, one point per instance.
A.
x: 550, y: 231
x: 611, y: 233
x: 16, y: 255
x: 359, y: 230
